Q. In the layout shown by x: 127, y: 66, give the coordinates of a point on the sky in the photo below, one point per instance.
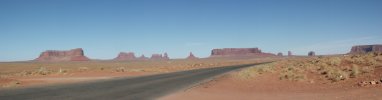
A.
x: 103, y: 28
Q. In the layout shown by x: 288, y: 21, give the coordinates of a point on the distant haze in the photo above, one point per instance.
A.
x: 103, y: 28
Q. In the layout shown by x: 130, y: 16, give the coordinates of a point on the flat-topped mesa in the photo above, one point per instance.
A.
x: 227, y: 52
x: 366, y: 48
x: 192, y: 56
x: 69, y: 55
x: 125, y: 56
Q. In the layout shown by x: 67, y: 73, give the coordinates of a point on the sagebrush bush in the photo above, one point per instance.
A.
x: 335, y: 61
x: 355, y: 71
x: 337, y: 75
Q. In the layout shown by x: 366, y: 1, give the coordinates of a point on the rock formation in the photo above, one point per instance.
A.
x: 229, y: 52
x: 159, y: 57
x: 70, y: 55
x: 279, y: 54
x: 191, y: 56
x: 311, y: 53
x: 234, y: 51
x: 165, y: 56
x: 290, y: 53
x: 125, y: 56
x: 156, y: 56
x: 365, y: 49
x: 142, y: 57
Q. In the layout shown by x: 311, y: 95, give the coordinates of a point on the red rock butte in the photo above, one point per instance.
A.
x: 142, y: 57
x: 311, y: 53
x: 228, y: 52
x: 366, y: 48
x: 159, y: 57
x: 56, y: 55
x: 191, y: 56
x: 125, y: 56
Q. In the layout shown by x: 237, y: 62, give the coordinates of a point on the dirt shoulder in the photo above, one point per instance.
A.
x: 269, y: 87
x: 343, y: 77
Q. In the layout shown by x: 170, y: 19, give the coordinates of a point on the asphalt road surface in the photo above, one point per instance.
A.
x: 136, y: 88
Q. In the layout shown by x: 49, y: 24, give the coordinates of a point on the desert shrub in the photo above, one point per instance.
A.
x: 367, y: 69
x: 355, y: 71
x: 370, y: 61
x: 25, y: 73
x: 62, y: 70
x: 337, y: 75
x: 293, y: 76
x: 256, y: 70
x: 293, y: 73
x: 120, y: 69
x: 334, y: 61
x: 378, y: 58
x: 43, y: 71
x: 246, y: 73
x: 265, y: 68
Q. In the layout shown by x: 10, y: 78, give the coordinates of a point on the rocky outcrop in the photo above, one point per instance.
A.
x: 142, y: 57
x: 237, y: 52
x: 234, y: 51
x: 365, y: 49
x: 125, y: 56
x: 56, y: 55
x: 191, y: 56
x: 159, y: 57
x: 279, y: 54
x: 165, y: 56
x: 290, y: 53
x: 311, y: 53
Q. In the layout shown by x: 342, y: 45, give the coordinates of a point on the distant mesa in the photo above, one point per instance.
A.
x: 237, y: 52
x: 311, y: 53
x: 156, y: 56
x: 159, y: 57
x: 142, y: 57
x: 69, y: 55
x: 279, y: 54
x: 290, y: 53
x: 125, y: 56
x: 191, y: 56
x: 366, y: 48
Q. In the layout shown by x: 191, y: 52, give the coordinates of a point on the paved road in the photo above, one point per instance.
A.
x: 137, y: 88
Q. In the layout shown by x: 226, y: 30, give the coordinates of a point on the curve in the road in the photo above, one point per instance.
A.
x: 137, y: 88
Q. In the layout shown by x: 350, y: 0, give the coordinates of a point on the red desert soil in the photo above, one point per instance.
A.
x: 25, y: 74
x: 269, y: 87
x: 67, y: 78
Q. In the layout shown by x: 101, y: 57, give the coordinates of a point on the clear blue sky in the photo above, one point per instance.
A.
x: 103, y: 28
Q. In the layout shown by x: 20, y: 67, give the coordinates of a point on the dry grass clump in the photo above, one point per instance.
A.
x: 334, y: 68
x: 256, y: 70
x: 120, y: 69
x: 292, y: 73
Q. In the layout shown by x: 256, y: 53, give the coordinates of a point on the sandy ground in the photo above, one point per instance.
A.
x: 269, y: 87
